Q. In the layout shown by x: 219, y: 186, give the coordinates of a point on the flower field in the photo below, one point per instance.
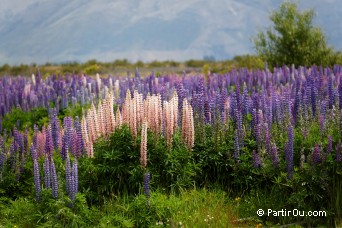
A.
x: 134, y: 150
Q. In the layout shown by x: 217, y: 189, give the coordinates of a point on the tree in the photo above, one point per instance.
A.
x: 293, y: 39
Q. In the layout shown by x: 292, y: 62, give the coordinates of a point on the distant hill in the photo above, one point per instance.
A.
x: 57, y: 31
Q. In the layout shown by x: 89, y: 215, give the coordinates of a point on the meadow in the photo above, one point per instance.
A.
x: 172, y: 150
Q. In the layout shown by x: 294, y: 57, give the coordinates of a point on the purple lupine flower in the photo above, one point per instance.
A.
x: 68, y: 176
x: 12, y: 155
x: 256, y: 159
x: 55, y: 130
x: 67, y: 123
x: 330, y: 92
x: 207, y: 113
x: 236, y: 144
x: 64, y: 148
x: 48, y: 142
x: 80, y: 143
x: 75, y: 175
x: 289, y: 152
x: 47, y: 173
x: 71, y: 187
x: 73, y: 142
x: 147, y: 190
x: 36, y: 177
x: 317, y: 155
x: 244, y: 101
x: 338, y: 152
x: 54, y: 180
x: 33, y: 152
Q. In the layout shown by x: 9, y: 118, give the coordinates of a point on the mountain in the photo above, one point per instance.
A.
x: 58, y: 31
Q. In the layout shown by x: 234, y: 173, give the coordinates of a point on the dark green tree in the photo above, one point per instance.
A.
x: 293, y: 39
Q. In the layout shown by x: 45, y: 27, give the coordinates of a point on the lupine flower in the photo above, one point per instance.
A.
x: 147, y: 184
x: 236, y: 145
x: 143, y: 147
x: 49, y: 143
x: 317, y: 155
x: 47, y: 173
x: 75, y: 177
x: 36, y: 177
x: 67, y: 122
x: 256, y: 159
x: 54, y: 181
x: 68, y: 176
x: 55, y: 130
x: 64, y: 149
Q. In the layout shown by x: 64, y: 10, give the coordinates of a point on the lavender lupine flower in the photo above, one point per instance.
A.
x: 256, y: 159
x: 47, y: 173
x: 36, y: 176
x: 236, y: 144
x: 147, y: 177
x: 48, y: 143
x: 330, y: 92
x: 75, y: 175
x: 54, y: 180
x: 67, y: 123
x: 80, y: 142
x: 68, y: 176
x: 289, y: 152
x: 317, y: 155
x: 55, y: 130
x: 12, y: 155
x: 64, y: 148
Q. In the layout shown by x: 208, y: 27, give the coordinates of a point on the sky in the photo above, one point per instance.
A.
x: 56, y: 31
